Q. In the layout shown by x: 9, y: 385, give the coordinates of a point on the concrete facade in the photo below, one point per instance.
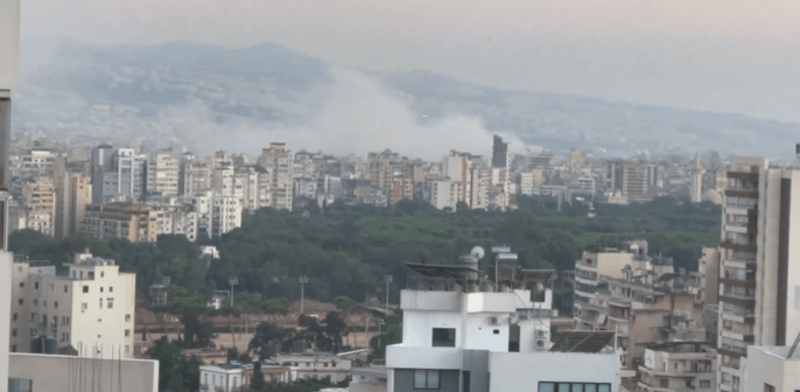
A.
x: 91, y: 309
x: 770, y: 369
x: 67, y: 373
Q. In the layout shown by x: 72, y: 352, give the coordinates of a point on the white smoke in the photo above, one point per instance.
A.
x: 358, y: 115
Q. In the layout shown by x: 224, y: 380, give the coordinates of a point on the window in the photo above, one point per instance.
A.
x: 444, y: 337
x: 101, y: 303
x: 110, y: 289
x: 573, y: 387
x: 84, y: 306
x: 35, y: 302
x: 14, y: 333
x: 663, y: 383
x: 21, y: 284
x: 66, y: 289
x: 20, y: 301
x: 496, y: 332
x: 127, y: 318
x: 101, y: 289
x: 36, y: 285
x: 102, y: 275
x: 705, y: 384
x: 85, y: 289
x: 15, y: 317
x: 110, y: 304
x: 55, y: 304
x: 14, y: 348
x: 769, y: 388
x: 127, y: 332
x: 426, y: 379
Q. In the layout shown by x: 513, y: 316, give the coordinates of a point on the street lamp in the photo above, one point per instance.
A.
x: 388, y: 279
x: 233, y: 282
x: 302, y: 280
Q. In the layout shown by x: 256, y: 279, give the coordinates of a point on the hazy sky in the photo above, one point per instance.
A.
x: 729, y: 56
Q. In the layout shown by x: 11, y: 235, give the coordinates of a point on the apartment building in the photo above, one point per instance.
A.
x: 758, y: 282
x: 235, y: 376
x: 196, y: 175
x: 278, y: 160
x: 466, y: 330
x: 443, y: 193
x: 619, y: 288
x: 90, y: 309
x: 531, y: 181
x: 133, y: 222
x: 252, y: 187
x: 772, y: 369
x: 118, y: 174
x: 678, y: 366
x: 73, y: 194
x: 39, y: 200
x: 316, y: 364
x: 216, y: 215
x: 177, y: 218
x: 402, y: 189
x: 163, y: 174
x: 635, y: 182
x: 380, y: 171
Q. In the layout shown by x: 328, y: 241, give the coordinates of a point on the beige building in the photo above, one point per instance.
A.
x: 531, y: 181
x: 216, y: 215
x: 635, y: 179
x: 163, y: 174
x: 380, y: 172
x: 278, y: 161
x: 39, y: 199
x: 472, y: 176
x: 73, y: 194
x: 619, y: 288
x: 90, y: 309
x: 133, y: 222
x: 402, y: 189
x: 443, y: 193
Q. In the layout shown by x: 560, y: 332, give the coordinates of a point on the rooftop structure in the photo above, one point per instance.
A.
x: 460, y: 321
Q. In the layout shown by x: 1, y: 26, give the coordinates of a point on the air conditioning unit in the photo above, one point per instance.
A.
x: 493, y: 320
x: 541, y: 344
x: 541, y: 333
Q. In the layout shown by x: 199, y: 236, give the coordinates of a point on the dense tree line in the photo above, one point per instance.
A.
x: 345, y: 250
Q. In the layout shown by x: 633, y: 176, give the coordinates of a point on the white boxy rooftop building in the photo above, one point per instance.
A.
x: 468, y: 331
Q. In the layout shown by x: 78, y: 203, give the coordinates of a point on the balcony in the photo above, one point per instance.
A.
x: 745, y: 193
x: 738, y: 247
x: 743, y: 176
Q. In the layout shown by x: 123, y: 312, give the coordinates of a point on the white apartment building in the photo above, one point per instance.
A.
x: 465, y: 330
x: 236, y: 377
x: 316, y: 365
x: 759, y: 281
x: 678, y: 366
x: 772, y: 369
x: 696, y: 189
x: 531, y: 181
x: 216, y: 215
x: 278, y: 160
x: 252, y: 187
x: 222, y: 180
x: 177, y: 218
x: 443, y: 193
x: 163, y: 174
x: 91, y: 309
x: 117, y: 174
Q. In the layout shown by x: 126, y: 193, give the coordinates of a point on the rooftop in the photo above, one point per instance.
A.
x: 583, y: 341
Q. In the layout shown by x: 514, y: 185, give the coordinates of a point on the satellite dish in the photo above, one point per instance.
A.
x: 477, y: 252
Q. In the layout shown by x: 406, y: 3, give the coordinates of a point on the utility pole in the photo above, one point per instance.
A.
x: 388, y: 279
x: 233, y: 282
x: 302, y: 280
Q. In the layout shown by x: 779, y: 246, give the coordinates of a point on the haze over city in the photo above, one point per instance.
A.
x: 727, y: 56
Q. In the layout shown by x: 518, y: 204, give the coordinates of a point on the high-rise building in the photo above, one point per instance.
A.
x: 277, y: 159
x: 92, y: 308
x: 759, y: 275
x: 39, y: 198
x: 499, y: 153
x: 501, y: 172
x: 117, y: 174
x: 696, y: 191
x: 635, y: 181
x: 73, y: 193
x: 196, y: 175
x: 163, y: 174
x: 216, y: 215
x: 252, y: 187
